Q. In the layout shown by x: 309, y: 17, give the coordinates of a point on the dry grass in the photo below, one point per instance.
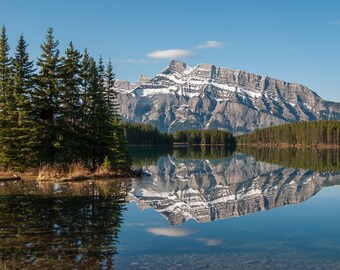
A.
x: 48, y: 172
x: 55, y: 173
x: 77, y: 170
x: 101, y: 171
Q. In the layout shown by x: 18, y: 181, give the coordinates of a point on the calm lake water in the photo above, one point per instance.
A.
x: 194, y: 209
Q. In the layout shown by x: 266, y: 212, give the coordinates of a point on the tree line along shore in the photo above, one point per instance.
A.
x: 320, y: 134
x: 59, y: 110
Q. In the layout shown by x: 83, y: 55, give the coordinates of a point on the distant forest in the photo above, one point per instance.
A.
x: 58, y: 110
x: 301, y: 133
x: 205, y: 137
x: 145, y: 134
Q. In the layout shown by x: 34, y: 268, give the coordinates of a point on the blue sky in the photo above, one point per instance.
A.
x: 295, y: 41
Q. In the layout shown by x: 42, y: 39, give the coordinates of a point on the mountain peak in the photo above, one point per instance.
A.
x: 142, y: 80
x: 212, y: 97
x: 175, y: 66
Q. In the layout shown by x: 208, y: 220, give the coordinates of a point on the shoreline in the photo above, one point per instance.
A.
x: 27, y: 176
x: 286, y: 145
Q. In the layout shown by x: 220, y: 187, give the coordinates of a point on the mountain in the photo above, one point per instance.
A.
x: 211, y: 97
x: 208, y: 190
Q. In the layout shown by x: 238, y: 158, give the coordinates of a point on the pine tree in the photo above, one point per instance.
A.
x: 70, y: 102
x: 110, y: 93
x: 95, y: 117
x: 7, y: 113
x: 47, y: 99
x: 117, y: 140
x: 23, y: 84
x: 120, y: 156
x: 85, y: 77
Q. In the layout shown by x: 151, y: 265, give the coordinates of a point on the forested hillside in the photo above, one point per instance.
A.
x: 59, y: 110
x: 301, y: 133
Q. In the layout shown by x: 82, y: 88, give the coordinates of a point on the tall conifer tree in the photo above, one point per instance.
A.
x: 116, y: 137
x: 70, y: 102
x: 94, y: 115
x: 23, y: 85
x: 7, y: 113
x: 47, y: 98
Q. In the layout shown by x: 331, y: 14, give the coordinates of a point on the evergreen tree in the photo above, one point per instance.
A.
x: 96, y: 117
x: 47, y: 99
x: 110, y: 93
x: 23, y: 85
x: 70, y: 102
x: 117, y: 138
x: 65, y: 113
x: 85, y: 76
x: 120, y: 155
x: 7, y: 104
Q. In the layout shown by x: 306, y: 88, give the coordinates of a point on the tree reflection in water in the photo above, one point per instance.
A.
x: 53, y: 230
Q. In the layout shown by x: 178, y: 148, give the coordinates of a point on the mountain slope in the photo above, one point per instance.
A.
x: 211, y: 97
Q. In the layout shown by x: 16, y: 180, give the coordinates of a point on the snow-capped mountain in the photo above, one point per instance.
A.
x: 211, y: 97
x: 207, y: 190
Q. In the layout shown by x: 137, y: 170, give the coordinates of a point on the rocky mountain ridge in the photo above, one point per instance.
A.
x: 211, y: 97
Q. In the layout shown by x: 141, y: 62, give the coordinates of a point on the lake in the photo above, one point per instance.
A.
x: 195, y: 208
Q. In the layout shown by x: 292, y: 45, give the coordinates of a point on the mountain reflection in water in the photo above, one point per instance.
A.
x: 210, y: 189
x: 76, y: 225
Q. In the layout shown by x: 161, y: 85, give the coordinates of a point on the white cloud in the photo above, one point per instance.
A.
x: 211, y: 44
x: 135, y: 61
x: 210, y: 242
x: 170, y: 232
x: 170, y: 54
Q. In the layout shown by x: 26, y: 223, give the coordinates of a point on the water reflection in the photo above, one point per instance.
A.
x: 76, y: 225
x: 59, y: 229
x: 307, y: 158
x: 210, y: 189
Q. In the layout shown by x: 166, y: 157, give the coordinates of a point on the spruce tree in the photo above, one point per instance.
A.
x: 95, y: 117
x: 7, y: 113
x: 47, y: 99
x: 70, y: 102
x: 85, y: 77
x: 23, y: 85
x: 117, y: 140
x: 110, y: 93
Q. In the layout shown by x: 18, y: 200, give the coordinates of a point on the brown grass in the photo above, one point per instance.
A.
x: 58, y: 173
x: 77, y: 170
x: 48, y: 172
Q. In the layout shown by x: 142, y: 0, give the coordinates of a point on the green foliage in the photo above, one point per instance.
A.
x: 106, y: 165
x: 46, y: 101
x: 145, y: 134
x: 70, y: 101
x: 305, y: 133
x: 306, y: 158
x: 65, y: 113
x: 205, y: 137
x: 24, y: 128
